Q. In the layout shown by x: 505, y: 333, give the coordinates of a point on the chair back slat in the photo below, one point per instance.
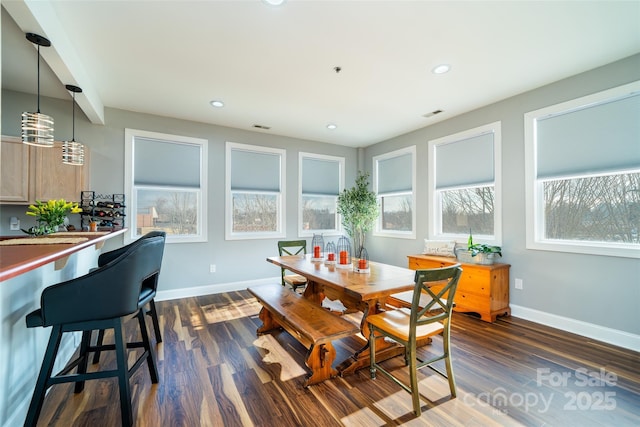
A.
x: 292, y: 247
x: 425, y: 279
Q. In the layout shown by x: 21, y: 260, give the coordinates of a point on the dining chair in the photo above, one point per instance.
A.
x: 408, y: 326
x: 147, y: 291
x: 292, y: 247
x: 102, y: 299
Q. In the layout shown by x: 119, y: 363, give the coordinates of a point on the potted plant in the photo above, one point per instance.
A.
x: 478, y: 253
x: 358, y: 208
x: 50, y: 215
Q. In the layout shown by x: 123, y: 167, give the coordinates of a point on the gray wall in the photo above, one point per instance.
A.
x: 596, y: 289
x: 599, y: 290
x: 185, y: 265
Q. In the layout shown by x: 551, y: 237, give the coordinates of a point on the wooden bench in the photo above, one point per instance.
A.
x: 310, y: 324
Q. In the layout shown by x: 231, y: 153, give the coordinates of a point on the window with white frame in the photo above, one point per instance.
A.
x: 394, y: 180
x: 255, y: 192
x: 583, y: 174
x: 464, y: 185
x: 321, y: 179
x: 165, y: 185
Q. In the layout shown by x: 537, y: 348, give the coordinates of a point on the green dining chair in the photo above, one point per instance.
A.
x: 292, y: 247
x: 407, y: 326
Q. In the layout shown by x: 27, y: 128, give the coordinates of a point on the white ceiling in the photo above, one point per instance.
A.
x: 274, y: 66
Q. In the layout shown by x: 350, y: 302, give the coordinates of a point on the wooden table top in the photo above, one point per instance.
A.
x: 382, y: 280
x: 20, y: 259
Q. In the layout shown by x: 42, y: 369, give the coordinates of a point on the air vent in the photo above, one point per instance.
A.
x: 262, y: 127
x: 433, y: 113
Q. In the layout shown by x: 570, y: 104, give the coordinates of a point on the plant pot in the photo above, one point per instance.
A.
x: 480, y: 258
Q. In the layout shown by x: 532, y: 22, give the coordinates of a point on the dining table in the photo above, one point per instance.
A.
x: 365, y: 292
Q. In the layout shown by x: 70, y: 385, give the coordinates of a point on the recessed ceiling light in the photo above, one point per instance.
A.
x: 332, y: 126
x: 441, y: 69
x: 217, y: 104
x: 274, y: 2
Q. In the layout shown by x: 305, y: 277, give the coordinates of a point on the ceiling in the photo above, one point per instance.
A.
x: 275, y: 66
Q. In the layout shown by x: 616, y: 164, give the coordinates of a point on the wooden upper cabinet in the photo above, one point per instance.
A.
x: 14, y: 171
x: 40, y: 174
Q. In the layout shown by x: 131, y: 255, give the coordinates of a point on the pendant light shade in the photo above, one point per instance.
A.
x: 37, y: 128
x: 72, y: 151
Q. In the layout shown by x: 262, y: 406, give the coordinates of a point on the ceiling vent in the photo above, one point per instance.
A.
x: 433, y: 113
x: 262, y: 127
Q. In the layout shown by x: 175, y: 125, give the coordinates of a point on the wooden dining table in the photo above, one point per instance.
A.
x: 364, y: 292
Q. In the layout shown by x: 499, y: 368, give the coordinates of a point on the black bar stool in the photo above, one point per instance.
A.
x: 101, y: 299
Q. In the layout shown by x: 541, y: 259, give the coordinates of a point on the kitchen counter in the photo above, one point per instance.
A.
x: 19, y: 259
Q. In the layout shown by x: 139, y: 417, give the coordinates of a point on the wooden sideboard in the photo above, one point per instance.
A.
x: 482, y: 289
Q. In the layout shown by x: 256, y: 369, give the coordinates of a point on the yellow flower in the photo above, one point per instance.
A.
x: 52, y: 212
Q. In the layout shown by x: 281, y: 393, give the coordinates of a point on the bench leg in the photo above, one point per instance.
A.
x: 268, y: 322
x: 320, y: 360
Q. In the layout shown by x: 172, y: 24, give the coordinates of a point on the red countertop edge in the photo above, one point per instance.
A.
x: 20, y: 259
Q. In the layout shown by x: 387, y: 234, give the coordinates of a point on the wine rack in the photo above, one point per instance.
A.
x: 108, y: 210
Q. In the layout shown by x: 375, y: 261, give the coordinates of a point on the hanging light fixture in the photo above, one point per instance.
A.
x: 37, y: 128
x: 72, y: 151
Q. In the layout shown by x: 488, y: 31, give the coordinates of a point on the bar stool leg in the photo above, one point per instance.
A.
x: 82, y: 366
x: 123, y: 373
x: 154, y: 318
x: 151, y: 361
x: 99, y: 340
x: 43, y: 378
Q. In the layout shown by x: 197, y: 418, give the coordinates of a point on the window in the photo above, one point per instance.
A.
x: 165, y: 189
x: 321, y: 179
x: 583, y: 174
x: 255, y: 192
x: 465, y: 185
x: 394, y: 183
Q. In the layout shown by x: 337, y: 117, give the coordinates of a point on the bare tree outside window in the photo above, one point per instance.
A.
x: 599, y: 208
x: 319, y: 212
x: 468, y: 209
x: 174, y: 212
x: 254, y: 212
x: 397, y: 212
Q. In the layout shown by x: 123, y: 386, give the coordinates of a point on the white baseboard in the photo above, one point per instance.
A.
x: 597, y: 332
x: 212, y: 289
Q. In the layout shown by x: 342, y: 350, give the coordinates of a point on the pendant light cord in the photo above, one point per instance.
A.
x: 38, y: 78
x: 73, y: 119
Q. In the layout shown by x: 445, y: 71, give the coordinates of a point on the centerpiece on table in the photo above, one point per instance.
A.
x: 358, y: 207
x: 50, y: 215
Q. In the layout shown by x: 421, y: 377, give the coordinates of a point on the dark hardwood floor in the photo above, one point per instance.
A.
x: 215, y: 371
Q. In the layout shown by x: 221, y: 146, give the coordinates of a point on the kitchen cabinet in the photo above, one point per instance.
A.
x: 35, y: 173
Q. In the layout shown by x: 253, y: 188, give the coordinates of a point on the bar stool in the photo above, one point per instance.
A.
x: 101, y: 299
x: 147, y: 292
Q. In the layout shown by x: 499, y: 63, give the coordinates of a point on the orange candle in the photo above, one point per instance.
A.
x: 362, y: 264
x: 343, y: 257
x: 331, y: 256
x: 316, y: 251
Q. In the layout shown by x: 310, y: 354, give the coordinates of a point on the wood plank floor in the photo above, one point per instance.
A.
x: 215, y: 371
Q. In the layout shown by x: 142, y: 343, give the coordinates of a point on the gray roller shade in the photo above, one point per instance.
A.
x: 599, y: 138
x: 466, y: 162
x: 253, y: 170
x: 166, y: 163
x: 395, y: 174
x: 320, y: 176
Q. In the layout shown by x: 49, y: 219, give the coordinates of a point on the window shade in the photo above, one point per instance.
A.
x: 159, y: 162
x: 320, y: 176
x: 465, y: 162
x: 252, y: 170
x: 600, y: 138
x: 395, y: 174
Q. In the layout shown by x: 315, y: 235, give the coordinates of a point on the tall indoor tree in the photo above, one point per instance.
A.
x: 358, y: 208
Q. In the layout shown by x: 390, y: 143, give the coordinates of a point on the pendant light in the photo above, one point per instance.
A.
x: 37, y: 128
x: 72, y: 151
